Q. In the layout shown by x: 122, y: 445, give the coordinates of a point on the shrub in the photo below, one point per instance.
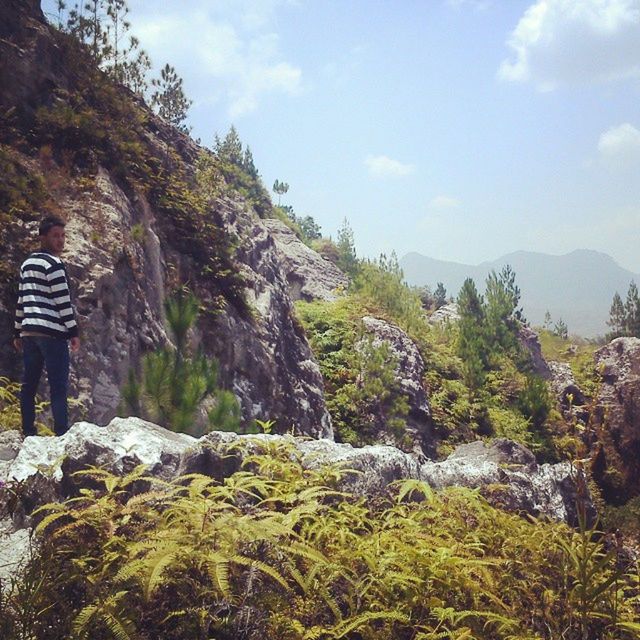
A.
x: 274, y: 551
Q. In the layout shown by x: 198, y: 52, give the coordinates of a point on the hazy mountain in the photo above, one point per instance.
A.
x: 577, y: 287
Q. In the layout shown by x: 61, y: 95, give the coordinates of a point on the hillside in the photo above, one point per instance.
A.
x: 273, y: 439
x: 577, y: 287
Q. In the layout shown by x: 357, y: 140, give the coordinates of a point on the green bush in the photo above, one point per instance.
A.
x: 361, y: 391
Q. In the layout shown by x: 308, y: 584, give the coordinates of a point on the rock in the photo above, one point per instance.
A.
x: 410, y: 372
x: 43, y: 471
x: 120, y: 447
x: 530, y: 342
x: 10, y: 442
x: 508, y: 473
x: 126, y: 442
x: 15, y: 550
x: 446, y: 313
x: 616, y: 420
x: 563, y: 384
x: 309, y: 275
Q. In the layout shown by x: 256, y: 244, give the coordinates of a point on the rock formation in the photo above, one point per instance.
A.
x: 530, y: 342
x: 309, y: 275
x: 410, y: 372
x: 446, y: 313
x: 616, y: 420
x: 124, y: 253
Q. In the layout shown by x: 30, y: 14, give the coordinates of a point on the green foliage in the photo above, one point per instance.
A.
x: 362, y: 394
x: 175, y: 382
x: 169, y: 100
x: 439, y: 296
x: 488, y: 326
x: 560, y: 329
x: 100, y: 27
x: 275, y: 551
x: 380, y: 286
x: 347, y: 258
x: 624, y: 318
x: 10, y: 416
x: 534, y: 401
x: 578, y: 353
x: 472, y: 337
x: 237, y: 167
x: 305, y: 227
x: 280, y: 188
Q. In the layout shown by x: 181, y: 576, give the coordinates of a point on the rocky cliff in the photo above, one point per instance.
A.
x: 74, y: 144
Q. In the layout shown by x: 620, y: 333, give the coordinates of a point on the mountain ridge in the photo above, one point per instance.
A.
x: 577, y: 286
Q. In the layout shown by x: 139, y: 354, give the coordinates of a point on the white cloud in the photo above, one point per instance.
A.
x: 225, y: 52
x: 620, y: 145
x: 383, y: 166
x: 444, y: 202
x: 564, y: 42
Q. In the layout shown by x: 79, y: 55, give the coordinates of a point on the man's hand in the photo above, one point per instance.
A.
x: 75, y: 344
x: 17, y: 344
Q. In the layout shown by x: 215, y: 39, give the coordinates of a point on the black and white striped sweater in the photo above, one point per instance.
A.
x: 44, y: 300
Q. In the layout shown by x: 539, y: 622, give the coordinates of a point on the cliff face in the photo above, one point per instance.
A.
x: 134, y: 234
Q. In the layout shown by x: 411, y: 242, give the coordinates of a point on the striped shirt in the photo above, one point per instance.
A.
x: 44, y: 300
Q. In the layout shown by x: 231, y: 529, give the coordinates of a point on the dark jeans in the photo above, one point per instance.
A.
x: 54, y: 354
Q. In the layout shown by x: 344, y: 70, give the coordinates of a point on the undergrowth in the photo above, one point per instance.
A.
x: 277, y: 551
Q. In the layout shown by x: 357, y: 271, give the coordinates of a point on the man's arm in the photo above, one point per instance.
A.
x: 57, y: 277
x: 17, y: 341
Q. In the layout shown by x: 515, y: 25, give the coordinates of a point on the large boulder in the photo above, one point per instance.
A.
x: 309, y: 275
x: 409, y: 374
x: 530, y: 343
x: 616, y: 420
x: 446, y: 313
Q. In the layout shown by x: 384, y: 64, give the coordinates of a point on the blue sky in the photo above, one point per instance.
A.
x: 461, y: 129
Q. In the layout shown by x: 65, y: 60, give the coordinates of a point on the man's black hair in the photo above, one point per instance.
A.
x: 47, y: 223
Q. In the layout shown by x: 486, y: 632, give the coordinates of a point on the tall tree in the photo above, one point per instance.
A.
x: 617, y: 317
x: 169, y: 99
x: 247, y: 163
x: 502, y: 313
x: 472, y: 342
x: 632, y: 309
x: 280, y: 188
x: 440, y: 296
x: 348, y: 260
x: 230, y: 149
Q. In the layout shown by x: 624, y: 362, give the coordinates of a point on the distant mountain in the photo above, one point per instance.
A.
x: 577, y: 287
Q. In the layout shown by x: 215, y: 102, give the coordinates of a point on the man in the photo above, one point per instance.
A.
x: 45, y: 323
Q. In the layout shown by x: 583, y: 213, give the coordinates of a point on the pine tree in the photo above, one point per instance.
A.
x: 169, y: 100
x: 472, y: 341
x: 502, y: 313
x: 440, y: 296
x: 617, y: 317
x: 348, y: 260
x: 248, y: 164
x: 230, y: 149
x: 632, y: 311
x: 560, y: 329
x: 280, y: 188
x: 175, y: 382
x: 86, y: 22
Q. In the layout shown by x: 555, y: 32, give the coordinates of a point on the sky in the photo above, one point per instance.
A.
x: 460, y: 129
